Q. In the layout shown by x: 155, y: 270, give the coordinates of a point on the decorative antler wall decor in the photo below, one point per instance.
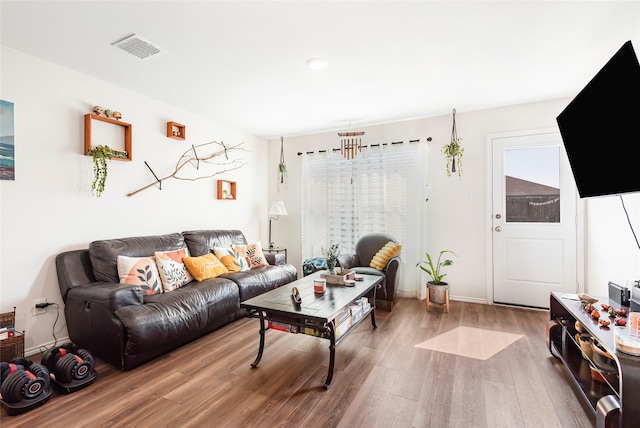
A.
x: 193, y: 158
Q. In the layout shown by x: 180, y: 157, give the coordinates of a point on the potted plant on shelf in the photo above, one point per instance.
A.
x: 436, y: 288
x: 99, y: 154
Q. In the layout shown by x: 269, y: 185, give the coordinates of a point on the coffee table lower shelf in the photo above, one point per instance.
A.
x: 327, y: 330
x: 332, y: 315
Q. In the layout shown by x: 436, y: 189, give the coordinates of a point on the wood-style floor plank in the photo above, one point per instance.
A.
x: 381, y: 379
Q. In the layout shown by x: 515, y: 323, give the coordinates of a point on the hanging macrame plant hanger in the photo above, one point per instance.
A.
x: 454, y: 138
x: 282, y: 166
x: 453, y: 151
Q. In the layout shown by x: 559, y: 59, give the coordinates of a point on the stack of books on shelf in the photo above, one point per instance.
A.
x: 343, y: 322
x: 283, y: 327
x: 311, y: 331
x: 359, y: 308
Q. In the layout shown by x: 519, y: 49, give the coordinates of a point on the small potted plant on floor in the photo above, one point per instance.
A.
x: 436, y: 288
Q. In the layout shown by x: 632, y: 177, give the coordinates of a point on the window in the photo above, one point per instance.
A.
x: 380, y: 190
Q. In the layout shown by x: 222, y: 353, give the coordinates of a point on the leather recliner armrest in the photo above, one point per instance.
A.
x: 110, y: 295
x: 391, y: 271
x: 91, y: 320
x: 275, y: 259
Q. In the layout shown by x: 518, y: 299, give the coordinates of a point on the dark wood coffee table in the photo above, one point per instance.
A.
x: 327, y: 316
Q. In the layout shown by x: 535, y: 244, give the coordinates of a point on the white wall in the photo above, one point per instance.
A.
x: 49, y: 208
x: 456, y: 213
x: 612, y: 251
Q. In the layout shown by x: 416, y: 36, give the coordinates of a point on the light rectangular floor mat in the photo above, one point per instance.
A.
x: 478, y: 343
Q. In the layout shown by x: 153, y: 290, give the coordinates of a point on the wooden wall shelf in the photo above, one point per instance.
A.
x: 227, y: 190
x: 176, y: 131
x: 123, y: 153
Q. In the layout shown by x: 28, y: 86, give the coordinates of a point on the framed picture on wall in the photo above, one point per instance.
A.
x: 7, y: 148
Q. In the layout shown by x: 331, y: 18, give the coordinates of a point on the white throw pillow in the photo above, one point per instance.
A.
x: 172, y: 270
x: 140, y: 271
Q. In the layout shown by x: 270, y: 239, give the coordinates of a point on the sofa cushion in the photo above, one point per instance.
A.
x: 259, y: 280
x: 104, y: 254
x: 205, y: 267
x: 140, y: 271
x: 173, y: 272
x: 167, y: 317
x: 201, y: 242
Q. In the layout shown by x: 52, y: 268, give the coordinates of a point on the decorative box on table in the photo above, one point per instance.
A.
x: 338, y: 279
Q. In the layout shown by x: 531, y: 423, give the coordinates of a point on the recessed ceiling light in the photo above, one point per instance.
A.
x: 317, y: 63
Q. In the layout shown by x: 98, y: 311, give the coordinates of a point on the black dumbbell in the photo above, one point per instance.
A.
x: 69, y: 363
x: 22, y: 379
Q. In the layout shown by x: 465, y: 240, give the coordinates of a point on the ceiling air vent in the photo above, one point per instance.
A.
x: 137, y: 46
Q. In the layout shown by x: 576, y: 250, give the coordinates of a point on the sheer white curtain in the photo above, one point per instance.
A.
x: 381, y: 190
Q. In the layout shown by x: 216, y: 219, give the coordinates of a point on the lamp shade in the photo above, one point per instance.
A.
x: 278, y: 209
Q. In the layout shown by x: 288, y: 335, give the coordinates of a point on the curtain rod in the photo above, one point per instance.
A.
x: 393, y: 143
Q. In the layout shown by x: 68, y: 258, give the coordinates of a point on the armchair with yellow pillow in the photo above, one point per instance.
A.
x: 377, y: 254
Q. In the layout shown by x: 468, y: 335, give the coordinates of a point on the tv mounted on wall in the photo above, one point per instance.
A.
x: 600, y: 128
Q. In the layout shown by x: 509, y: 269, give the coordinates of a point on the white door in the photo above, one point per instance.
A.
x: 534, y: 223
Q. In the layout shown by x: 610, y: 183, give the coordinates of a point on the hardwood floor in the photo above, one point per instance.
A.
x: 381, y: 380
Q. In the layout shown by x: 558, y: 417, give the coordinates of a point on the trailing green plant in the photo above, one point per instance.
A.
x: 99, y: 154
x: 453, y: 153
x: 282, y: 173
x: 434, y: 269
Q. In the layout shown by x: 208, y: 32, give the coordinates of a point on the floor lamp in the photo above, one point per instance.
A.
x: 277, y: 209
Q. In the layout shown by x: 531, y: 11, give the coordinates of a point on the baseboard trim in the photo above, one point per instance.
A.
x: 41, y: 349
x: 414, y: 295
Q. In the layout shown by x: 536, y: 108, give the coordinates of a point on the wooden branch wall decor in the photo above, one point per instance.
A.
x: 196, y: 159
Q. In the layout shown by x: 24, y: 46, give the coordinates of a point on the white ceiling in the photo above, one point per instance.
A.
x: 242, y: 63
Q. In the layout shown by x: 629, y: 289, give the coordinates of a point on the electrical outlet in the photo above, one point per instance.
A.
x: 39, y: 311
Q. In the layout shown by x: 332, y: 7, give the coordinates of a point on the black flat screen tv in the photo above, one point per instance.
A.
x: 600, y: 128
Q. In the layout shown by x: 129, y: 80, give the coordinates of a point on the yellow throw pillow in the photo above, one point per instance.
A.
x: 386, y: 253
x: 204, y: 267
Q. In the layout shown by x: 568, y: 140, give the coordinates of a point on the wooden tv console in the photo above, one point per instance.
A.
x: 615, y: 403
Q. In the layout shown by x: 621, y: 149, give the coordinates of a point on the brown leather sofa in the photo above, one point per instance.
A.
x: 126, y: 327
x: 367, y: 247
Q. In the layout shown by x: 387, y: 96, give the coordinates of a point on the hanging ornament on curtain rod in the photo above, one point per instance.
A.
x: 350, y: 143
x: 453, y: 151
x: 282, y: 167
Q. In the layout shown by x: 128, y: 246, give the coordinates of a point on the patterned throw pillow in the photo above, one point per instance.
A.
x: 205, y: 267
x: 386, y: 253
x: 172, y: 270
x: 230, y: 261
x: 253, y: 252
x: 140, y: 271
x: 243, y: 260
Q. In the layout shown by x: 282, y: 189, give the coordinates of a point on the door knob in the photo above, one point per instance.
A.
x: 498, y: 229
x: 498, y: 216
